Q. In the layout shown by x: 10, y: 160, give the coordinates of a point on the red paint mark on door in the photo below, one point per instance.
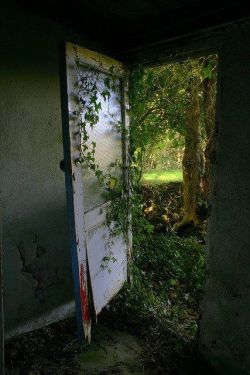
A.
x: 84, y: 296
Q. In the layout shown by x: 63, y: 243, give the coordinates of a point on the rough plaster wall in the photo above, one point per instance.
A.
x: 225, y: 325
x: 37, y: 264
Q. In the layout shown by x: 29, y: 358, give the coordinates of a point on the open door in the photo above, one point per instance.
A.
x: 99, y: 262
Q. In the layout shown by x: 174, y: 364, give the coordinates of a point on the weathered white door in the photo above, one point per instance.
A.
x: 96, y: 86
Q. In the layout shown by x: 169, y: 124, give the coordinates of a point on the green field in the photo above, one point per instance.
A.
x: 161, y: 176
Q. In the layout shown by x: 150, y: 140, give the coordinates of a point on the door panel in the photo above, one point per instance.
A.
x: 101, y: 257
x: 107, y: 277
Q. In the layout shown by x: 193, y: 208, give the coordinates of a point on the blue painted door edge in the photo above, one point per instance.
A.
x: 69, y: 189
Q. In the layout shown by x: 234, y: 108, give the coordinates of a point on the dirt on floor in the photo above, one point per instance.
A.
x: 54, y: 350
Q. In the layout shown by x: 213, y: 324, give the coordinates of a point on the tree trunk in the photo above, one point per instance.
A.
x: 209, y: 119
x: 192, y: 159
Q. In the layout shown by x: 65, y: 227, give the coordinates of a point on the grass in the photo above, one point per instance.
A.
x: 162, y: 176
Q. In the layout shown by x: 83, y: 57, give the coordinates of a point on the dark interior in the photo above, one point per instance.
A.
x: 124, y: 27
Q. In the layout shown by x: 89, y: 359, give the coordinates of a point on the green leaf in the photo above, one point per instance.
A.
x: 172, y: 282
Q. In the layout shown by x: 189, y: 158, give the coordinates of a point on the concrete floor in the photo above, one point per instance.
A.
x: 113, y: 352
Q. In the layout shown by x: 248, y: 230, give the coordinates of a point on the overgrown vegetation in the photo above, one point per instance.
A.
x: 168, y: 275
x: 173, y: 107
x: 172, y: 124
x: 161, y: 303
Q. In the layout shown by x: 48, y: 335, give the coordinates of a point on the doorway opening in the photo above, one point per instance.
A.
x: 172, y: 138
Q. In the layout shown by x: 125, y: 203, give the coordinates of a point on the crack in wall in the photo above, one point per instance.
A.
x: 36, y: 264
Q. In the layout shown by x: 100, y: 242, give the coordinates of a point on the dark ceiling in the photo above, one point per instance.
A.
x: 125, y: 25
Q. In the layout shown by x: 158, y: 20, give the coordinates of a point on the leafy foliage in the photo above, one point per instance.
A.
x: 161, y: 302
x: 168, y: 276
x: 160, y: 98
x: 165, y: 154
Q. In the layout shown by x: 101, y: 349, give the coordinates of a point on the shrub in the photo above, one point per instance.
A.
x: 167, y: 282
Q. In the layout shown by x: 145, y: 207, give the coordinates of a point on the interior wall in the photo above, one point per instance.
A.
x: 225, y: 329
x: 36, y: 258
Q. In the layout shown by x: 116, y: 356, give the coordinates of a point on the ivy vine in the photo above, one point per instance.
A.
x: 114, y: 189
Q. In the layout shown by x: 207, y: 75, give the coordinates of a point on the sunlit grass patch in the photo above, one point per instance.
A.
x: 161, y: 176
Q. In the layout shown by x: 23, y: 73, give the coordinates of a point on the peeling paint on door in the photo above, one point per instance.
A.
x: 88, y: 207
